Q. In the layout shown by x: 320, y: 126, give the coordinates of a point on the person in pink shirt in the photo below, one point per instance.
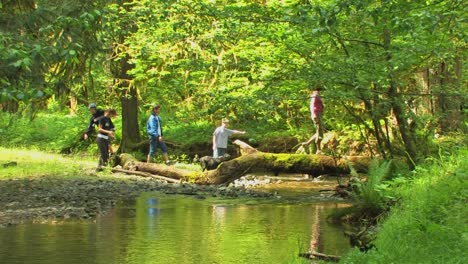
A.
x: 316, y: 113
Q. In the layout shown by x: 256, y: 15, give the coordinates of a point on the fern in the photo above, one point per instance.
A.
x: 371, y: 195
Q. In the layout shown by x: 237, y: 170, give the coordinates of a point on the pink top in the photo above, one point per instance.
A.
x: 316, y: 104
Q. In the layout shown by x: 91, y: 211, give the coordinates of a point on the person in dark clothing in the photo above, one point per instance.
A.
x: 93, y: 121
x: 106, y: 132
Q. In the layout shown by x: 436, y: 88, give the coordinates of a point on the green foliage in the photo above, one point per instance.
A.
x: 50, y: 131
x: 429, y: 224
x: 47, y: 50
x: 252, y: 62
x: 372, y: 195
x: 188, y: 134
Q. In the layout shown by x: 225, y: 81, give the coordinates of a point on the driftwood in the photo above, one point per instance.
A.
x: 128, y: 162
x: 10, y: 164
x: 321, y: 256
x: 145, y: 174
x: 253, y: 160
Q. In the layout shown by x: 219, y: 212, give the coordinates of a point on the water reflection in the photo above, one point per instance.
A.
x: 219, y: 214
x: 153, y: 209
x: 174, y: 229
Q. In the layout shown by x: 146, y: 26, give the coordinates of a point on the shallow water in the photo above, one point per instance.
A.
x: 179, y: 229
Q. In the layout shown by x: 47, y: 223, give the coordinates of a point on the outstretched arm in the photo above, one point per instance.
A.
x: 239, y: 131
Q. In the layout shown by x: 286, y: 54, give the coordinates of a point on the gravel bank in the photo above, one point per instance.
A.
x: 50, y: 198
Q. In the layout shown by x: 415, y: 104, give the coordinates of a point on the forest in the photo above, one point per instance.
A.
x: 391, y: 73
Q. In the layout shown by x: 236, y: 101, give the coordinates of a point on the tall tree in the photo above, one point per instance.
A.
x: 47, y: 49
x: 118, y: 27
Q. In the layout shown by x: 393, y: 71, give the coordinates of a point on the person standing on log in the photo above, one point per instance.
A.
x: 316, y: 113
x: 106, y: 132
x: 220, y: 138
x: 93, y: 121
x: 155, y: 133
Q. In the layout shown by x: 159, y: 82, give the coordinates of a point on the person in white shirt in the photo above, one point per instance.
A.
x: 220, y: 138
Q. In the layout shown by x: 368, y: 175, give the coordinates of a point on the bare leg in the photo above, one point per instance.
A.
x: 311, y: 139
x: 317, y: 137
x: 318, y: 145
x: 319, y: 134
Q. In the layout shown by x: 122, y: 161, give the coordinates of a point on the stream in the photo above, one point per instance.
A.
x: 161, y: 228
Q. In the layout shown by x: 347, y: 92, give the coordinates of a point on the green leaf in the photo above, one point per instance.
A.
x: 18, y: 63
x: 39, y: 94
x: 37, y: 48
x: 20, y: 96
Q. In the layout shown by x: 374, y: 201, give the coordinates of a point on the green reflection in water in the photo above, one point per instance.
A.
x: 174, y: 229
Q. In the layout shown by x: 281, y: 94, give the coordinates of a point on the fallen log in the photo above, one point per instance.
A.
x: 253, y: 160
x: 10, y: 164
x: 244, y: 147
x: 287, y: 161
x: 164, y: 170
x: 321, y: 256
x: 145, y: 174
x: 312, y: 164
x: 128, y: 162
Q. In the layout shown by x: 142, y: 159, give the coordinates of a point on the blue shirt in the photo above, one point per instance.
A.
x: 154, y: 126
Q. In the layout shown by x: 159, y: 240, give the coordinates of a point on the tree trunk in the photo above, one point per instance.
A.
x: 128, y: 162
x: 275, y: 163
x: 145, y: 174
x: 397, y: 106
x: 377, y: 131
x: 130, y: 128
x: 253, y: 160
x: 449, y: 103
x: 126, y: 89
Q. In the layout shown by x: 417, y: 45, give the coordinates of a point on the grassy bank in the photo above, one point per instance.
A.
x: 429, y: 223
x: 21, y: 163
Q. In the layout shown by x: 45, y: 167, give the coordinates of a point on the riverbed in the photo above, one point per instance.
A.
x: 160, y: 225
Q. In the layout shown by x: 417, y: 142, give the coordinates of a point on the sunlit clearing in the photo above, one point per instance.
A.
x: 30, y: 163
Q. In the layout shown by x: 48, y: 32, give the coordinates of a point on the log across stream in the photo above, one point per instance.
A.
x: 251, y: 160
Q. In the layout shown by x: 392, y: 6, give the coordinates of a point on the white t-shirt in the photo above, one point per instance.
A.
x: 221, y: 135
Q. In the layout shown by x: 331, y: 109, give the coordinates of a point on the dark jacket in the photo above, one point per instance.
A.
x: 94, y: 121
x: 106, y: 124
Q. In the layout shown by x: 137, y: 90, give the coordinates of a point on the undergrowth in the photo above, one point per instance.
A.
x: 429, y: 223
x: 371, y: 196
x: 48, y: 131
